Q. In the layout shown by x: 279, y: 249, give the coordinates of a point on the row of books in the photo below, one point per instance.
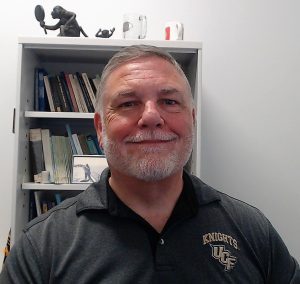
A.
x: 54, y: 153
x: 40, y: 202
x: 65, y: 92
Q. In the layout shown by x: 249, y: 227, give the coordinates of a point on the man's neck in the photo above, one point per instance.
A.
x: 153, y: 201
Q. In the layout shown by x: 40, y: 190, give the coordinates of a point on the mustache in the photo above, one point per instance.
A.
x: 150, y: 135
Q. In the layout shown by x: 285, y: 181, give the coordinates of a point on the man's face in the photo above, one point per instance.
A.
x: 148, y: 120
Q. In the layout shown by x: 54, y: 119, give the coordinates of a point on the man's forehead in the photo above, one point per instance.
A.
x: 153, y: 62
x: 146, y: 67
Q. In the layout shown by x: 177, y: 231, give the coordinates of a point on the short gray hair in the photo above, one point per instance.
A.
x: 130, y: 53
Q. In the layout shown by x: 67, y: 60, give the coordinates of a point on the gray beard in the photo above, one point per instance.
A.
x: 151, y: 167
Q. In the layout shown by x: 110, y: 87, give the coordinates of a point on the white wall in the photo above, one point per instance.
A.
x: 251, y: 72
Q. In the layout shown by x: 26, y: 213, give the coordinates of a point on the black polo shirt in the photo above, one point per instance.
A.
x: 186, y: 207
x: 94, y: 238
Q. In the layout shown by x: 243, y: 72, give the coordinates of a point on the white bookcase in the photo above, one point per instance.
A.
x: 70, y: 55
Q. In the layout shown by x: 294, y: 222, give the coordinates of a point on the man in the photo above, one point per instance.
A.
x: 147, y: 220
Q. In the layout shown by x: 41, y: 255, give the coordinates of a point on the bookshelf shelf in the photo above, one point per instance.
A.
x: 71, y: 55
x: 55, y: 187
x: 56, y: 115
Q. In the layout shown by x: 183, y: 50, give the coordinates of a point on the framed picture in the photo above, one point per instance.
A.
x: 88, y: 168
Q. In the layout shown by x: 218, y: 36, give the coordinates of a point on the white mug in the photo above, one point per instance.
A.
x: 174, y: 31
x: 134, y: 26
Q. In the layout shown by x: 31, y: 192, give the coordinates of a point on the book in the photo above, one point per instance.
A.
x: 36, y: 153
x: 93, y: 86
x: 55, y: 93
x: 77, y: 144
x: 96, y: 142
x: 62, y: 157
x: 42, y: 97
x: 72, y: 94
x: 44, y: 206
x: 62, y: 95
x: 83, y: 144
x: 91, y: 145
x: 49, y: 93
x: 32, y: 206
x: 89, y: 89
x: 58, y: 198
x: 41, y: 100
x: 85, y: 93
x: 96, y: 81
x: 69, y: 133
x: 47, y: 151
x: 37, y: 197
x: 66, y: 91
x: 78, y: 94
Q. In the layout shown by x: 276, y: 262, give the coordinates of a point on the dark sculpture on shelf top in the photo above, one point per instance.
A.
x: 67, y: 23
x: 105, y: 33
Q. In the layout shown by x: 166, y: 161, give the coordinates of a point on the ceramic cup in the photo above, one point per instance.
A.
x: 174, y: 31
x: 134, y: 26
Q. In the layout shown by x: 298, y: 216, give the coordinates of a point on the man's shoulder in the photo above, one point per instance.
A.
x: 68, y: 211
x: 65, y: 207
x: 236, y: 209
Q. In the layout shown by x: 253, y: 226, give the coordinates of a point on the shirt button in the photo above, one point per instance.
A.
x: 161, y: 242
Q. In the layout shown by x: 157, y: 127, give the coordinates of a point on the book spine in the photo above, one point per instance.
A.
x: 93, y: 86
x: 96, y: 81
x: 32, y: 206
x: 69, y: 133
x: 55, y: 93
x: 37, y: 197
x: 36, y: 151
x: 96, y: 142
x: 46, y: 141
x: 63, y: 97
x: 83, y: 144
x: 76, y: 93
x: 91, y: 145
x: 85, y: 93
x: 66, y: 91
x: 58, y: 198
x: 62, y: 156
x: 72, y: 94
x: 80, y: 94
x: 49, y: 93
x: 77, y: 144
x: 42, y: 98
x: 89, y: 89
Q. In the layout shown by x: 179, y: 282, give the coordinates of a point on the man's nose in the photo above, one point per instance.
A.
x: 151, y: 116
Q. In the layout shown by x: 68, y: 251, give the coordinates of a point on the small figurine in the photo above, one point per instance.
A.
x: 105, y: 33
x: 67, y: 23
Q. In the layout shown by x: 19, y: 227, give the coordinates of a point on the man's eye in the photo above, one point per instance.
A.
x: 170, y: 102
x: 127, y: 104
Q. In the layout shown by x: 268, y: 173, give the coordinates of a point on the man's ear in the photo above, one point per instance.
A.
x: 98, y: 127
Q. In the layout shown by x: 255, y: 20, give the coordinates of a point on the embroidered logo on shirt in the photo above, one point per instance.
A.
x: 219, y: 252
x: 223, y: 256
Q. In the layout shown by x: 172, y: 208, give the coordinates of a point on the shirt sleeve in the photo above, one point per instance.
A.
x: 283, y: 268
x: 22, y: 265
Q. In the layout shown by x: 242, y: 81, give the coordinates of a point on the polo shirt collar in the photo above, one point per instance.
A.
x: 95, y: 197
x: 205, y: 194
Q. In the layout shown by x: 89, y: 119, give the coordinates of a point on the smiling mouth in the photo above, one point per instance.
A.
x: 151, y: 138
x: 152, y: 141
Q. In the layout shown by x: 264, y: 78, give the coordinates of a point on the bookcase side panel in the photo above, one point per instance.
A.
x: 198, y: 99
x: 25, y: 90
